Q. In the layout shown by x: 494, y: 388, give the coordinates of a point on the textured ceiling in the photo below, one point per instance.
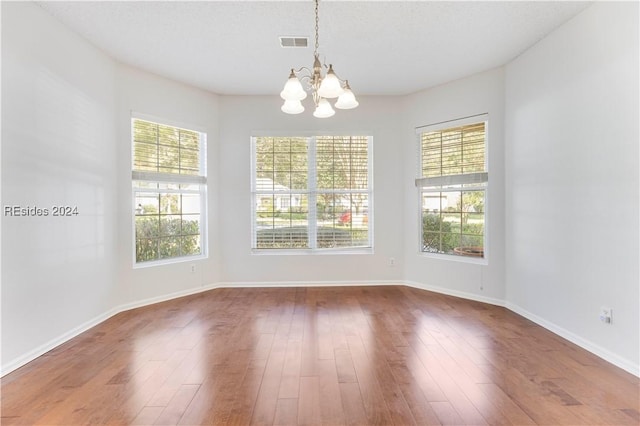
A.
x: 383, y: 48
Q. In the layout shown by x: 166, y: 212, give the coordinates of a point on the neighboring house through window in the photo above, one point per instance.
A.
x: 169, y: 191
x: 452, y: 186
x: 312, y: 192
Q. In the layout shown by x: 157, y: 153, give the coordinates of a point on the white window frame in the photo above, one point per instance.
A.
x: 311, y: 192
x: 169, y: 178
x: 455, y: 183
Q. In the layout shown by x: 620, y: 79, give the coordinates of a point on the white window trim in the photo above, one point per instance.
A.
x: 168, y: 178
x: 311, y: 195
x: 461, y: 179
x: 422, y: 183
x: 200, y: 180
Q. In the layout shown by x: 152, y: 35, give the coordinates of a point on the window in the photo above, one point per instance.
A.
x: 312, y: 193
x: 169, y: 191
x: 453, y: 187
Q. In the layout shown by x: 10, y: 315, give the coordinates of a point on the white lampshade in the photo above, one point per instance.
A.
x: 292, y: 107
x: 293, y: 90
x: 330, y: 86
x: 347, y: 100
x: 323, y: 110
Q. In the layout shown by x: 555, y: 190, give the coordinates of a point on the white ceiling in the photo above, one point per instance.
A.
x: 383, y: 48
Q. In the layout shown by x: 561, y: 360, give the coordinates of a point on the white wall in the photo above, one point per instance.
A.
x: 477, y: 94
x: 66, y: 140
x: 58, y: 116
x: 173, y: 103
x: 243, y: 116
x: 572, y: 180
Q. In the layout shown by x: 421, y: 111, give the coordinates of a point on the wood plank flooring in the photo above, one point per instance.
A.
x: 307, y: 356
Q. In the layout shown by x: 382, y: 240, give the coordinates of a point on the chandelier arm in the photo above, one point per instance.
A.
x: 299, y: 70
x: 305, y: 78
x: 308, y: 83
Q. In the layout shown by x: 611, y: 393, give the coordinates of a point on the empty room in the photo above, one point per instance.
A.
x: 320, y: 212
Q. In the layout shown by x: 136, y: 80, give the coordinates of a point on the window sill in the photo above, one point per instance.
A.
x: 172, y: 261
x: 455, y: 258
x: 312, y: 252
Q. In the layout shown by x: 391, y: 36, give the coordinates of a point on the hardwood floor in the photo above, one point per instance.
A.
x: 341, y: 355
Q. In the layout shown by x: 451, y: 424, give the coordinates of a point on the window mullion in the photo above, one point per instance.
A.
x: 312, y: 230
x: 273, y: 195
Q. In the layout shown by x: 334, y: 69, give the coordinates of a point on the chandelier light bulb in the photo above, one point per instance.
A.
x: 347, y: 100
x: 323, y: 110
x: 293, y: 90
x: 292, y: 107
x: 330, y: 87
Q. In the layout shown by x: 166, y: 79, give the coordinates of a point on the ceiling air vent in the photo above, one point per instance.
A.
x: 294, y: 41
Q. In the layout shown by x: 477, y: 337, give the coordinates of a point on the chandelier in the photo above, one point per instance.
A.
x: 321, y: 87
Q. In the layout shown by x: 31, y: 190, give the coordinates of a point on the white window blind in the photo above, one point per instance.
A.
x: 169, y: 191
x: 311, y: 193
x: 452, y: 187
x: 453, y: 151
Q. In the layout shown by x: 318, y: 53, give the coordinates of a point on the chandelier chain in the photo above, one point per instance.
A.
x: 315, y: 51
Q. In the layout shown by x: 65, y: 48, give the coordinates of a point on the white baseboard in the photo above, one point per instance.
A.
x: 43, y: 349
x: 618, y: 361
x: 51, y: 344
x: 601, y: 352
x: 588, y: 345
x: 165, y: 297
x: 260, y: 284
x: 456, y: 293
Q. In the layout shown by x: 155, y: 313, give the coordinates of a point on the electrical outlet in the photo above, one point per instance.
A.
x: 606, y: 315
x: 193, y: 268
x: 392, y: 261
